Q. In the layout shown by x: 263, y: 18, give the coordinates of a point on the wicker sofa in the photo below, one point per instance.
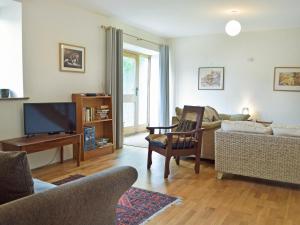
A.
x: 258, y: 155
x: 211, y: 122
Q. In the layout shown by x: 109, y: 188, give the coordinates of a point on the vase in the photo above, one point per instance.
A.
x: 4, y: 93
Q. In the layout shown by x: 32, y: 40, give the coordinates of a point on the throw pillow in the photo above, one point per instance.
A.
x: 15, y: 176
x: 286, y: 130
x: 224, y: 116
x: 178, y: 112
x: 214, y: 113
x: 245, y: 126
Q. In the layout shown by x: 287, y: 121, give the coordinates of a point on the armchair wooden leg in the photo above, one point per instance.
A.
x: 149, y: 162
x: 167, y: 167
x: 177, y: 158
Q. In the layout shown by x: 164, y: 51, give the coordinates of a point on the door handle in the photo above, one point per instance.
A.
x: 136, y: 91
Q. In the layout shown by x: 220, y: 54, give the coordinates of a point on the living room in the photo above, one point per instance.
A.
x: 182, y: 42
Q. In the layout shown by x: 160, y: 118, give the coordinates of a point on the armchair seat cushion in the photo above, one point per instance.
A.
x: 161, y: 141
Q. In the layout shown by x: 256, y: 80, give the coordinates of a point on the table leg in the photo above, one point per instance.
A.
x: 78, y: 152
x: 62, y: 154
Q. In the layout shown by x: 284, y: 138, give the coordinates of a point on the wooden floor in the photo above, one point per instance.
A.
x: 206, y: 200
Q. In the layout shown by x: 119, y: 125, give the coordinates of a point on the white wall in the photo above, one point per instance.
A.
x: 139, y: 33
x: 249, y: 60
x: 45, y: 24
x: 11, y: 64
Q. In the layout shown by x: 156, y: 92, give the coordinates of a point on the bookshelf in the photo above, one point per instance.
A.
x: 94, y: 121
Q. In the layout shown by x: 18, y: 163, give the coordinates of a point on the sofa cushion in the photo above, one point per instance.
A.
x: 210, y: 114
x: 286, y: 130
x: 239, y: 117
x: 178, y: 112
x: 15, y: 176
x: 40, y: 186
x: 224, y: 116
x: 245, y: 126
x: 234, y: 117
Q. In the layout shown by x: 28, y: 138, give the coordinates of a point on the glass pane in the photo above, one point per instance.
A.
x: 143, y: 89
x: 129, y: 71
x: 128, y: 114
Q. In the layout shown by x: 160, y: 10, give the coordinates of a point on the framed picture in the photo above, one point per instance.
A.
x: 211, y: 78
x: 286, y: 79
x: 71, y: 58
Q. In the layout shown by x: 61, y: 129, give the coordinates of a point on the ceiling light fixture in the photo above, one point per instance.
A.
x: 233, y: 27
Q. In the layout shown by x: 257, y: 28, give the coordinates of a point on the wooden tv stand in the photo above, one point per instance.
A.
x: 45, y: 142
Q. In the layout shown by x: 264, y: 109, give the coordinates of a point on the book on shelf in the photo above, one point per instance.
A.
x: 96, y: 113
x: 89, y: 138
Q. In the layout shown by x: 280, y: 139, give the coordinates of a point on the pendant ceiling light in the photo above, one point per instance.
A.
x: 233, y: 27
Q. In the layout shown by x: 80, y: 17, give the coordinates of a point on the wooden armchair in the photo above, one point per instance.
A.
x: 185, y: 139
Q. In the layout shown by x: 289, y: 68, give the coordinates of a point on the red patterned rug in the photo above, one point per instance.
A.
x: 136, y: 206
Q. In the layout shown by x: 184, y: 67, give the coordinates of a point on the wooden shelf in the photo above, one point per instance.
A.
x: 100, y: 151
x: 102, y: 147
x: 14, y: 99
x: 97, y: 121
x: 97, y: 97
x: 83, y: 96
x: 103, y: 128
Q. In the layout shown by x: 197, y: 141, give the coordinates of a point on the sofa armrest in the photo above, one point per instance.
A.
x: 211, y: 125
x: 91, y: 200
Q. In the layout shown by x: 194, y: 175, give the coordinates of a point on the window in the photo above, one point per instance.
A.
x: 11, y: 63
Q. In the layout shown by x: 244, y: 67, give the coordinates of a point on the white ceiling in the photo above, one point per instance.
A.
x: 177, y: 18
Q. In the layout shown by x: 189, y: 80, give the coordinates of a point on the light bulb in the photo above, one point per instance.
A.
x: 233, y: 28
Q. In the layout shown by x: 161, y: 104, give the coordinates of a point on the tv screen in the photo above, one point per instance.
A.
x: 49, y: 118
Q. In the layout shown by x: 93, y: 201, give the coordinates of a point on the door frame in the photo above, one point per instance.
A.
x: 139, y: 128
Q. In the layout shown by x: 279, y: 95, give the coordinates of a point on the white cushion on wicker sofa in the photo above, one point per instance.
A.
x: 286, y: 130
x: 245, y: 126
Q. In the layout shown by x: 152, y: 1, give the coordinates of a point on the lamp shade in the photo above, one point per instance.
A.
x: 233, y: 28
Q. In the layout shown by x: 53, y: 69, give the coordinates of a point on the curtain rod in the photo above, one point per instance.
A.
x: 133, y: 36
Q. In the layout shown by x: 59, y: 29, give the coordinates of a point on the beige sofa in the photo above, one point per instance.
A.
x: 258, y: 155
x: 211, y: 122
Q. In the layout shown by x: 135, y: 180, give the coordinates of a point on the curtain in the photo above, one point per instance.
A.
x: 114, y: 80
x: 164, y: 85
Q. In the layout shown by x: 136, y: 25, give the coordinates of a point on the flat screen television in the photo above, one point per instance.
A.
x: 51, y: 118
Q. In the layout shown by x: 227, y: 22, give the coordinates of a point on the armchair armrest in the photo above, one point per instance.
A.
x: 152, y: 129
x: 186, y: 133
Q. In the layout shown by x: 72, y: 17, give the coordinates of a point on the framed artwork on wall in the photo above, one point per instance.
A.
x: 286, y: 79
x: 71, y: 58
x: 211, y: 78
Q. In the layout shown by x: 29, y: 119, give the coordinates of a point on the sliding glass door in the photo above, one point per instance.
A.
x: 136, y: 70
